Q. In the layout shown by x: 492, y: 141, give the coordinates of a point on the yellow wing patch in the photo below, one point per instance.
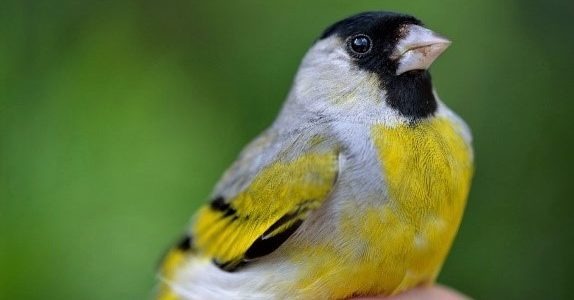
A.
x: 277, y: 200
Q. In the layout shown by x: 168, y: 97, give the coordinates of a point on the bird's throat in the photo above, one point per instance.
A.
x: 411, y: 94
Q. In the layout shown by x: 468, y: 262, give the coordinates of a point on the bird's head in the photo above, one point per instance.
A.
x: 371, y: 67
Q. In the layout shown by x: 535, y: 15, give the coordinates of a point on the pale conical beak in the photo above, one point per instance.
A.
x: 418, y: 49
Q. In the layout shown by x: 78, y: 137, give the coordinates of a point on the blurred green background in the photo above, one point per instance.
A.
x: 117, y: 117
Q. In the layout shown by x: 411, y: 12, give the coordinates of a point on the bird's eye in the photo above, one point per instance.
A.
x: 359, y: 44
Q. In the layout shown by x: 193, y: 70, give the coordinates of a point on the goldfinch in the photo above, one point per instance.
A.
x: 356, y: 189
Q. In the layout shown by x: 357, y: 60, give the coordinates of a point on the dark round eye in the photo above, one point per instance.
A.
x: 360, y: 44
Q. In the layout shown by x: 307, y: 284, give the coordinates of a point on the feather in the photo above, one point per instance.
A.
x: 260, y: 218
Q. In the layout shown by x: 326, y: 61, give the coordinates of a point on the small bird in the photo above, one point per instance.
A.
x: 357, y: 188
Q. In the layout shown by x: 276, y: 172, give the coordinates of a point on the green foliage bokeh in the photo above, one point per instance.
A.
x: 117, y: 117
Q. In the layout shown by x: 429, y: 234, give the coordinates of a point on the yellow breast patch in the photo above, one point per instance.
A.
x: 428, y: 168
x: 401, y: 241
